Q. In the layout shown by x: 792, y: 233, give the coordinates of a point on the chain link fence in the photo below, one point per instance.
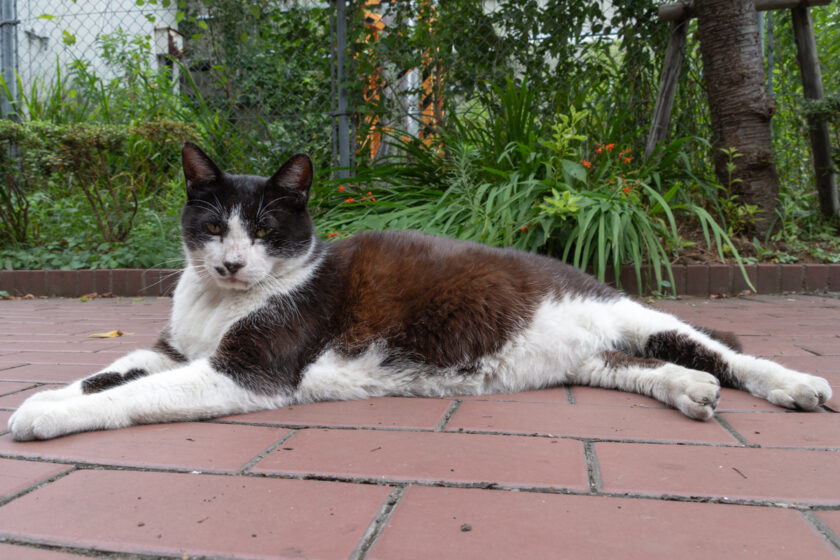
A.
x: 291, y: 75
x: 300, y: 75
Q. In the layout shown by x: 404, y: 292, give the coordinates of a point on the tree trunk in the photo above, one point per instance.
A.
x: 740, y: 106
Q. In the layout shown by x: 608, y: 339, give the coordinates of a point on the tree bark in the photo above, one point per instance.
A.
x: 740, y: 105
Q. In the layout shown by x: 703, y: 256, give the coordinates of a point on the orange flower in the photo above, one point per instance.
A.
x: 628, y: 159
x: 372, y: 199
x: 610, y: 147
x: 349, y: 200
x: 523, y: 229
x: 627, y: 190
x: 599, y: 150
x: 369, y: 193
x: 333, y: 234
x: 586, y: 164
x: 340, y: 188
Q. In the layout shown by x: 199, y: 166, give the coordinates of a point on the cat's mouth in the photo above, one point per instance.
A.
x: 231, y: 282
x: 234, y: 283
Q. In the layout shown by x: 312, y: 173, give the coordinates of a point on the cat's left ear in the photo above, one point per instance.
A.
x: 294, y: 179
x: 199, y: 169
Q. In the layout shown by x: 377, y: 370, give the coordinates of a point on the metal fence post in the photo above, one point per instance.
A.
x: 8, y: 53
x: 340, y: 77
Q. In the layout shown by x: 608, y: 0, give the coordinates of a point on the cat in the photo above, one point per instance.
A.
x: 266, y: 315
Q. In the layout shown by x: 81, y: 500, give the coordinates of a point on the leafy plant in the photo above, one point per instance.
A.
x: 504, y: 178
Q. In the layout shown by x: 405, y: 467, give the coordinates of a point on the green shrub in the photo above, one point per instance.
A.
x: 506, y: 178
x: 81, y: 191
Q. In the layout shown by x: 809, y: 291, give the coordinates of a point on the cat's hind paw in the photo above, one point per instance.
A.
x: 697, y: 394
x: 803, y: 391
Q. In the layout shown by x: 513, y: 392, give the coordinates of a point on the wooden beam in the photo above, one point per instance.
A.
x: 812, y: 88
x: 667, y: 86
x: 683, y: 10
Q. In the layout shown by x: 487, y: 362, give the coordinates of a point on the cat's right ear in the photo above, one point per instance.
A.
x: 293, y: 180
x: 198, y: 167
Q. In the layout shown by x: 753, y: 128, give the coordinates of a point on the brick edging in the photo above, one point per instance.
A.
x: 130, y: 282
x: 702, y: 280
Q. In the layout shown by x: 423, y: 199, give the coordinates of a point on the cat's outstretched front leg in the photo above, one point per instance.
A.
x: 190, y: 392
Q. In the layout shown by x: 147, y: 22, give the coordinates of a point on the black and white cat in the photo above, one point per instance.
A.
x: 267, y: 315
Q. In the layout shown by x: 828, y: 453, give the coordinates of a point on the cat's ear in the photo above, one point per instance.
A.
x: 294, y: 179
x: 198, y: 167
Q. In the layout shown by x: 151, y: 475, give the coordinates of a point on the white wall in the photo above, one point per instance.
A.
x: 41, y: 40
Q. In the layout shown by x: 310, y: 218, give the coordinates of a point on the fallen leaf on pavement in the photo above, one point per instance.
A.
x: 109, y: 334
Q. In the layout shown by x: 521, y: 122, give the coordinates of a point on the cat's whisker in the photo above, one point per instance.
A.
x: 165, y: 278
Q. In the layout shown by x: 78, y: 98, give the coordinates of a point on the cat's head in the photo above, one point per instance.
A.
x: 243, y: 230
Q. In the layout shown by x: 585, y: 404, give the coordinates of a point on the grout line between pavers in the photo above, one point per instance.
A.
x: 733, y: 432
x: 86, y: 466
x: 33, y: 385
x: 447, y: 416
x: 318, y: 426
x: 765, y: 502
x: 765, y: 411
x: 90, y: 552
x: 593, y: 468
x: 824, y: 530
x: 597, y: 439
x: 490, y: 433
x: 265, y: 452
x: 378, y: 524
x: 37, y: 485
x: 243, y: 471
x: 7, y: 368
x: 768, y: 502
x: 570, y: 394
x: 808, y: 350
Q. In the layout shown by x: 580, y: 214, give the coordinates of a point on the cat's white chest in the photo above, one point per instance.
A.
x: 202, y: 314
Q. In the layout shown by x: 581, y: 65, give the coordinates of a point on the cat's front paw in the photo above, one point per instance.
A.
x: 39, y: 419
x: 800, y: 390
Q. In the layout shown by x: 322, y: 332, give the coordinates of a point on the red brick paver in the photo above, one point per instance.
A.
x: 172, y: 513
x: 557, y: 473
x: 455, y: 523
x: 428, y: 457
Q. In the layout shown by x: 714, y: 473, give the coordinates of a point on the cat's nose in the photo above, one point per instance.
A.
x: 232, y: 267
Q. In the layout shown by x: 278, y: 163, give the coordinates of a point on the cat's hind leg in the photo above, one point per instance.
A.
x: 761, y: 378
x: 649, y: 333
x: 694, y: 393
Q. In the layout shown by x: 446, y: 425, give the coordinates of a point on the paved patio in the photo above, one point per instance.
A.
x: 562, y: 473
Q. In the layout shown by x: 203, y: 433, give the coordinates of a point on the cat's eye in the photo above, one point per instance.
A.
x: 260, y: 233
x: 215, y: 229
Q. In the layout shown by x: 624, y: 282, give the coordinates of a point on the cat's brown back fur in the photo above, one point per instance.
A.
x: 445, y: 302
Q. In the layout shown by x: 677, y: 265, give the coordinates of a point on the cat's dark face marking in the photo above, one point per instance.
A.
x: 239, y: 229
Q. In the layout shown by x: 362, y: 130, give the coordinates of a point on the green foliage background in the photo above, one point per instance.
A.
x: 529, y: 92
